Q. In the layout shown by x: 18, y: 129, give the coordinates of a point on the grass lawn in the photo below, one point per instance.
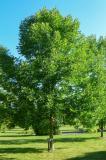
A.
x: 16, y: 146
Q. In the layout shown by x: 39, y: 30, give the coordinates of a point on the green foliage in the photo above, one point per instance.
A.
x: 45, y: 40
x: 7, y: 78
x: 85, y: 99
x: 62, y: 78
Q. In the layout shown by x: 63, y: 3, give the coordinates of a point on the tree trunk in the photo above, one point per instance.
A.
x: 101, y: 127
x: 50, y: 140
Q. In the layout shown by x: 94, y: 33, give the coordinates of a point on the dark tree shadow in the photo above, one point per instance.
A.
x: 40, y: 140
x: 19, y: 135
x: 5, y: 158
x: 22, y: 141
x: 101, y: 155
x: 77, y: 139
x: 21, y: 150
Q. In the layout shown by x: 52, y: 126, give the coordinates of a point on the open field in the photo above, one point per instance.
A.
x: 14, y: 145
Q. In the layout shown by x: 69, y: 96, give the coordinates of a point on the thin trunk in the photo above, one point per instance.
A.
x: 101, y: 127
x: 50, y: 140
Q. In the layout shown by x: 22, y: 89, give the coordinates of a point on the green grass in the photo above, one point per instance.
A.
x: 15, y: 145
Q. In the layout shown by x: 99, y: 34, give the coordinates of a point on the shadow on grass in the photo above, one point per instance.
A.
x: 5, y: 158
x: 22, y: 141
x: 77, y: 139
x: 41, y: 140
x: 20, y: 150
x: 18, y: 135
x: 27, y: 141
x: 101, y: 155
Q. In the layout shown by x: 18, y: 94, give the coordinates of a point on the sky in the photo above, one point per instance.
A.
x: 90, y: 13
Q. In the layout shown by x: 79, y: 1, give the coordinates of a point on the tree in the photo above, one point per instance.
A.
x: 97, y: 81
x: 62, y: 76
x: 85, y: 99
x: 101, y: 44
x: 6, y: 76
x: 47, y: 40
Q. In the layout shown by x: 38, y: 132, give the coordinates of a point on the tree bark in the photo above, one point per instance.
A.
x: 101, y: 127
x: 50, y: 140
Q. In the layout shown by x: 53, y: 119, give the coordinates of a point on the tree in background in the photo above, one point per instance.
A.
x: 6, y: 77
x: 13, y: 102
x: 101, y: 85
x: 85, y: 99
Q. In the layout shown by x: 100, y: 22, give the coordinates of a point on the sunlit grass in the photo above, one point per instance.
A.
x: 15, y: 145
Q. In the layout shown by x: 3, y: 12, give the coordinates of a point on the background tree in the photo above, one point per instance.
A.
x: 85, y: 99
x: 6, y: 77
x: 14, y: 111
x: 101, y: 44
